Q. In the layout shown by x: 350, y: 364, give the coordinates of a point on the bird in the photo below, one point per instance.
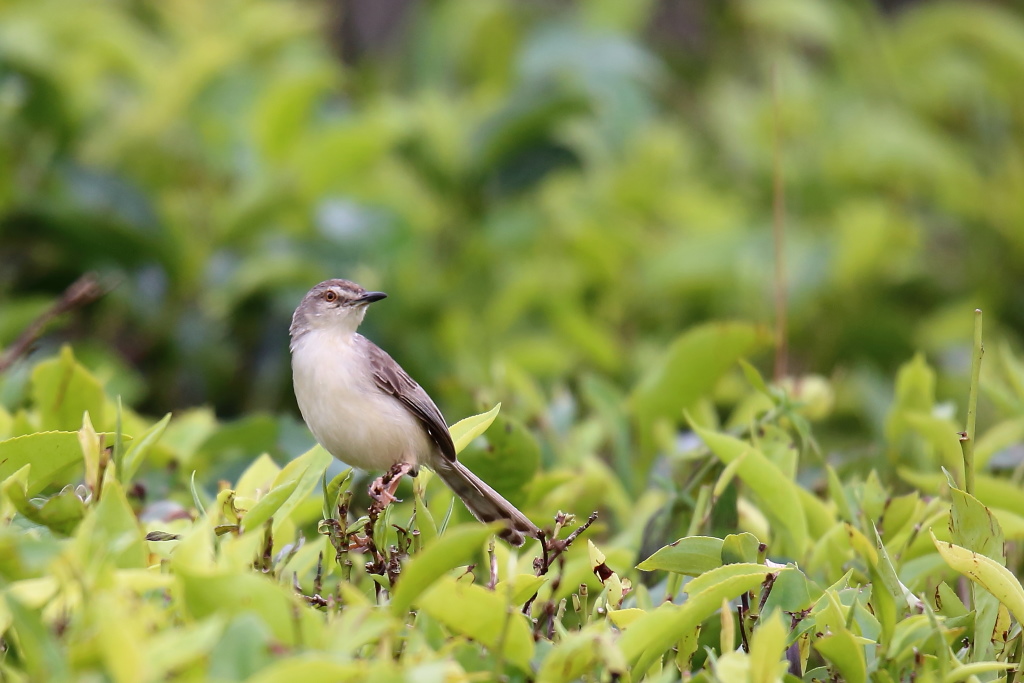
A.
x: 366, y: 411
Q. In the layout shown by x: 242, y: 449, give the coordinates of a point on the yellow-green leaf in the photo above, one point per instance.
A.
x: 265, y: 508
x: 766, y: 650
x: 53, y: 455
x: 458, y: 547
x: 778, y: 493
x: 650, y: 636
x: 63, y: 390
x: 690, y: 556
x: 992, y: 576
x: 137, y: 452
x: 482, y: 615
x: 464, y: 431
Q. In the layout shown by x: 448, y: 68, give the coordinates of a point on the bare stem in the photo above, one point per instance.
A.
x: 493, y: 565
x: 967, y: 437
x: 778, y: 236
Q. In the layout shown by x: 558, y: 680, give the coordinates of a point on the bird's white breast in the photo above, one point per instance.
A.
x: 348, y: 414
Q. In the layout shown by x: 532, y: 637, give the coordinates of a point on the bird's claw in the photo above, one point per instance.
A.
x: 383, y: 487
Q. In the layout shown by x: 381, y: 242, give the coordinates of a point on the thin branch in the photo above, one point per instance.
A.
x: 82, y: 291
x: 967, y: 438
x: 778, y: 236
x: 551, y: 550
x: 555, y: 547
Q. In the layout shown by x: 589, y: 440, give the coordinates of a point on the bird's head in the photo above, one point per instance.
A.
x: 332, y: 304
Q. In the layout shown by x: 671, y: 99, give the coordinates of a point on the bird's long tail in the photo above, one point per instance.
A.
x: 485, y: 503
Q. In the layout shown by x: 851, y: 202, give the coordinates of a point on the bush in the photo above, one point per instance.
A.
x: 144, y: 573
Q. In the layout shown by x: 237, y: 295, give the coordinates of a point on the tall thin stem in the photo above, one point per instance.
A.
x: 778, y: 235
x: 967, y: 438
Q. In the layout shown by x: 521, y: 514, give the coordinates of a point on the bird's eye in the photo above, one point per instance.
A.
x: 331, y: 296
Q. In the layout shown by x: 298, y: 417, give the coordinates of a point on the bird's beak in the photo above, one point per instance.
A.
x: 369, y: 298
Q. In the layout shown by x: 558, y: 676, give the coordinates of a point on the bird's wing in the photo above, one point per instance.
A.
x: 393, y: 380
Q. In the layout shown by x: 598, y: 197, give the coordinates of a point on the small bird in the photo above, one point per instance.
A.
x: 366, y: 411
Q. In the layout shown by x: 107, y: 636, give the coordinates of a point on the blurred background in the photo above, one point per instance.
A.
x: 549, y: 191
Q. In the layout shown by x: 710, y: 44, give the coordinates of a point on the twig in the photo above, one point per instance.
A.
x: 493, y: 581
x: 741, y: 616
x: 550, y: 550
x: 82, y: 291
x: 318, y: 580
x: 778, y: 235
x: 967, y: 438
x: 265, y: 562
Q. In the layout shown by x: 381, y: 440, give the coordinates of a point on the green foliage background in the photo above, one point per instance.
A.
x: 570, y: 206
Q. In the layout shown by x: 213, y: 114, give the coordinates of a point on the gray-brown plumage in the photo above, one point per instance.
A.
x: 368, y: 412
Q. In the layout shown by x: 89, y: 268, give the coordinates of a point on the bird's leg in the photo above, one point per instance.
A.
x: 383, y: 488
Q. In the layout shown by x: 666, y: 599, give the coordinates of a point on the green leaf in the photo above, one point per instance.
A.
x: 174, y: 649
x: 509, y: 459
x: 967, y: 671
x: 458, y: 547
x: 577, y: 653
x: 333, y: 490
x: 887, y: 575
x: 482, y: 615
x: 691, y: 367
x: 207, y: 594
x: 791, y: 592
x: 53, y: 455
x: 196, y: 500
x: 60, y: 513
x: 846, y: 652
x: 767, y: 647
x: 63, y: 390
x: 137, y: 452
x: 915, y: 394
x: 111, y: 530
x: 258, y: 477
x: 649, y: 637
x: 709, y: 579
x: 266, y: 506
x: 307, y: 469
x: 941, y: 433
x: 974, y: 527
x: 690, y: 556
x: 948, y: 602
x: 521, y: 587
x: 36, y: 645
x: 754, y: 378
x: 464, y: 431
x: 242, y: 650
x: 779, y: 494
x: 310, y: 668
x: 738, y: 548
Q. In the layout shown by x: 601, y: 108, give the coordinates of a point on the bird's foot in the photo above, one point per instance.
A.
x: 383, y: 488
x: 358, y: 544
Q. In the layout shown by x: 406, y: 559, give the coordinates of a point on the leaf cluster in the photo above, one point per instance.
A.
x: 277, y: 574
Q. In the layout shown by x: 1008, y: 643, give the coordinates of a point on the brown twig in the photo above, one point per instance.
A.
x: 553, y: 549
x: 550, y: 550
x: 741, y: 616
x: 82, y: 291
x: 778, y: 235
